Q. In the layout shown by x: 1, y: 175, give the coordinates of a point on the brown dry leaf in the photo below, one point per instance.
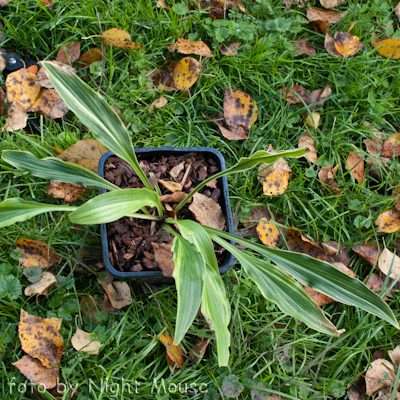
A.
x: 164, y: 258
x: 186, y: 73
x: 347, y: 44
x: 33, y: 370
x: 199, y: 347
x: 387, y: 395
x: 91, y: 306
x: 4, y: 2
x: 300, y: 244
x: 395, y: 356
x: 185, y: 46
x: 174, y: 353
x: 41, y: 286
x: 397, y: 10
x: 236, y: 133
x: 51, y: 105
x: 355, y: 163
x: 320, y: 298
x: 312, y: 120
x: 64, y: 190
x: 268, y: 232
x: 175, y: 197
x: 22, y: 88
x: 388, y: 261
x: 159, y: 103
x: 3, y: 111
x: 256, y: 214
x: 389, y: 48
x: 341, y: 267
x: 331, y: 3
x: 275, y: 178
x: 17, y: 118
x: 207, y: 212
x: 36, y: 254
x: 163, y: 4
x: 119, y: 38
x: 40, y: 338
x: 331, y: 17
x: 369, y: 253
x: 171, y: 186
x: 47, y: 3
x: 119, y: 293
x: 288, y: 4
x: 42, y: 78
x: 240, y: 111
x: 303, y: 47
x: 85, y: 153
x: 69, y: 53
x: 380, y: 375
x: 388, y: 221
x: 391, y: 146
x: 175, y: 171
x: 336, y: 252
x: 375, y: 283
x: 306, y: 142
x: 374, y: 145
x: 230, y: 50
x: 327, y: 175
x: 296, y: 94
x: 90, y: 56
x: 81, y: 341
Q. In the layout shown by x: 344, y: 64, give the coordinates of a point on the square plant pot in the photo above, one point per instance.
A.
x: 156, y: 277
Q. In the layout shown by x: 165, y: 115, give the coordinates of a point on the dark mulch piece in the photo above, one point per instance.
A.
x: 130, y: 239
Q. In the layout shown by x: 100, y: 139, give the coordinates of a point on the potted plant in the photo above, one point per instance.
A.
x: 277, y: 273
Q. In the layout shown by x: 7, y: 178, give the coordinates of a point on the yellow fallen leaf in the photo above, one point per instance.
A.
x: 186, y: 73
x: 388, y: 221
x: 171, y: 186
x: 185, y: 46
x: 174, y: 353
x: 389, y: 48
x: 312, y: 120
x: 36, y: 254
x: 268, y: 232
x: 347, y: 44
x: 119, y: 38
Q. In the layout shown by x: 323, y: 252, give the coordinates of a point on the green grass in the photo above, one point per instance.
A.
x: 290, y: 359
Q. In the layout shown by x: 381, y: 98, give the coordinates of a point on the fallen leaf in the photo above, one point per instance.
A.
x: 230, y: 50
x: 171, y: 186
x: 163, y: 4
x: 296, y: 94
x: 186, y: 73
x: 357, y: 389
x: 81, y: 341
x: 388, y: 221
x: 375, y: 145
x: 47, y: 3
x: 341, y: 267
x: 22, y: 88
x: 326, y: 176
x: 380, y: 375
x: 36, y: 254
x: 90, y: 56
x: 207, y: 212
x: 185, y: 46
x: 64, y: 190
x: 164, y: 258
x: 256, y: 214
x: 389, y: 48
x: 395, y: 356
x: 35, y: 105
x: 387, y: 395
x: 300, y: 244
x: 40, y: 338
x: 175, y: 171
x: 33, y: 370
x: 240, y: 111
x: 369, y: 253
x: 288, y: 4
x: 231, y: 4
x: 17, y: 117
x: 312, y: 120
x: 159, y: 103
x: 51, y: 105
x: 397, y: 10
x: 391, y: 146
x: 388, y: 261
x: 4, y: 2
x: 320, y: 298
x: 91, y: 306
x: 41, y: 286
x: 303, y: 47
x: 268, y: 232
x: 175, y: 197
x: 306, y: 142
x: 69, y: 53
x: 42, y: 78
x: 199, y: 347
x: 174, y: 353
x: 355, y: 164
x: 347, y: 44
x: 218, y: 120
x: 336, y: 252
x: 86, y: 153
x: 329, y: 17
x: 119, y: 293
x: 375, y: 283
x: 3, y: 111
x: 331, y: 3
x: 119, y: 38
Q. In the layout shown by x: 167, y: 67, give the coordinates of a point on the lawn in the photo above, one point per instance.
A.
x: 268, y: 346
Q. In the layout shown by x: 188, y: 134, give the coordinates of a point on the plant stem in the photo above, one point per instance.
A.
x: 144, y: 216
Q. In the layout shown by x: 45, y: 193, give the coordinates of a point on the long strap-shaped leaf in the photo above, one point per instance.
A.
x: 109, y: 207
x: 322, y: 277
x: 96, y: 114
x: 189, y: 274
x: 54, y: 168
x: 278, y: 287
x: 216, y: 306
x: 243, y: 165
x: 18, y: 210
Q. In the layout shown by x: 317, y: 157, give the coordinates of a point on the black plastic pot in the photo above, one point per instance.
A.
x: 156, y: 277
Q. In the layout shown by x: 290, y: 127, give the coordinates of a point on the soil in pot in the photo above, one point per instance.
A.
x: 141, y: 245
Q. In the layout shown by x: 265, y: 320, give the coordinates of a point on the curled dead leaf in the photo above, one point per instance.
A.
x: 17, y: 117
x: 230, y: 50
x: 174, y: 353
x: 199, y: 347
x: 238, y: 132
x: 41, y: 286
x: 119, y: 293
x: 36, y: 254
x: 175, y: 197
x: 321, y: 19
x: 159, y: 103
x: 171, y: 186
x: 69, y: 53
x: 207, y: 212
x: 40, y: 338
x: 70, y: 192
x: 185, y: 46
x: 380, y: 375
x: 119, y: 38
x: 51, y: 105
x: 327, y: 178
x: 306, y: 142
x: 164, y: 258
x: 355, y: 164
x: 81, y: 341
x: 388, y: 221
x: 175, y: 171
x: 186, y: 73
x: 391, y: 146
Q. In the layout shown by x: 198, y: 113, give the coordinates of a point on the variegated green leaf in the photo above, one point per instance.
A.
x: 18, y: 210
x: 111, y: 206
x: 55, y: 169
